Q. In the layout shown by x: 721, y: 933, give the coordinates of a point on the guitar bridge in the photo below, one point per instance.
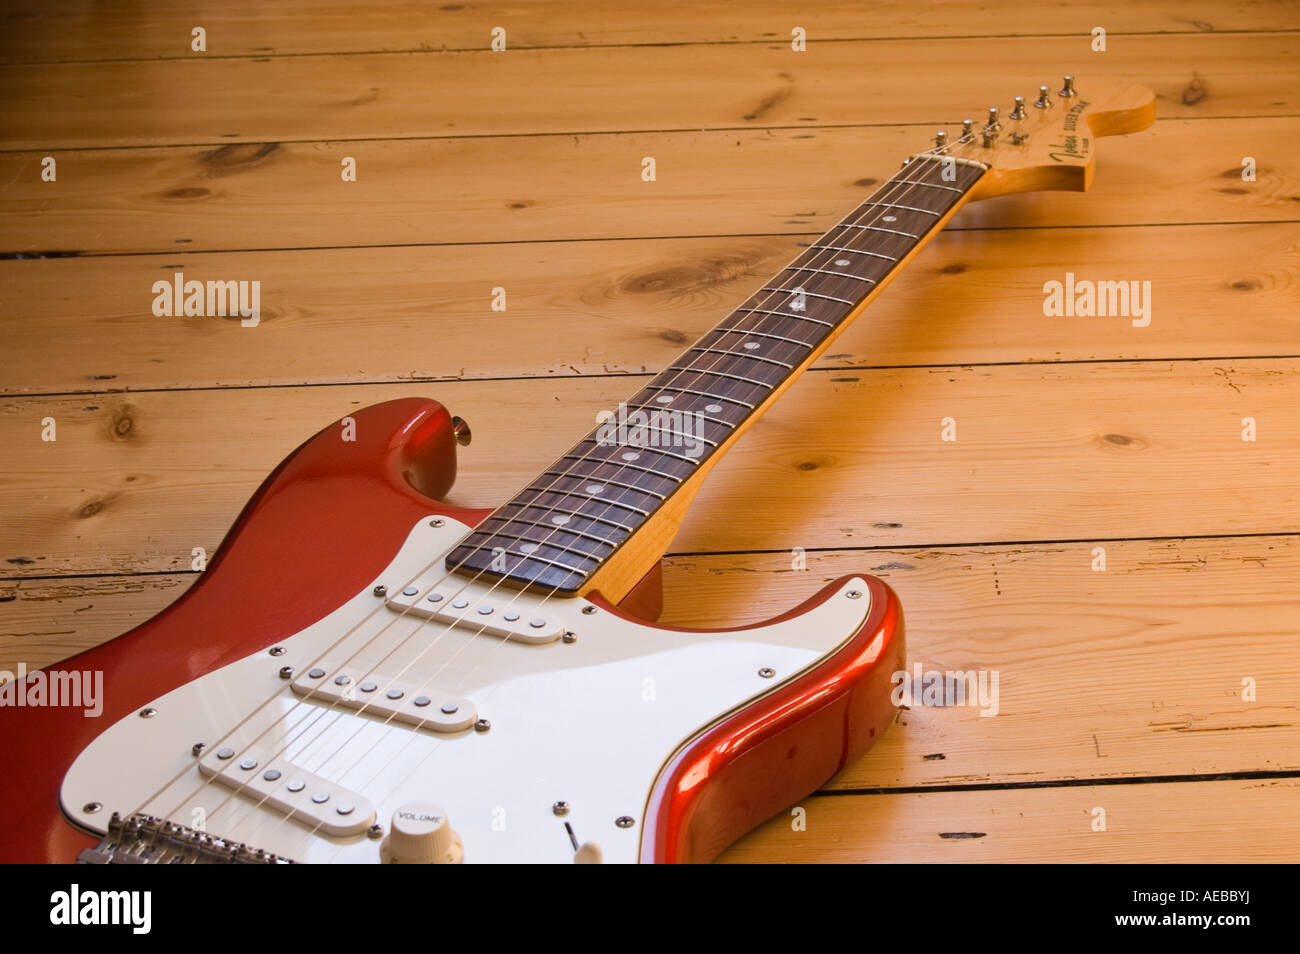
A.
x: 142, y: 839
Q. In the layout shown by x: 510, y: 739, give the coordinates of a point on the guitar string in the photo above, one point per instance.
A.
x: 437, y: 743
x: 909, y: 187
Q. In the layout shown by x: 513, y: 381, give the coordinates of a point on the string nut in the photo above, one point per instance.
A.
x: 1067, y: 90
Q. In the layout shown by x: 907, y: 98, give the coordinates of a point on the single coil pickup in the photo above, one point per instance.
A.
x: 389, y: 700
x: 462, y: 608
x: 302, y: 796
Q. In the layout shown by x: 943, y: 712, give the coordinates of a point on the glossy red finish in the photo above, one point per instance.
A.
x: 781, y: 748
x: 320, y: 529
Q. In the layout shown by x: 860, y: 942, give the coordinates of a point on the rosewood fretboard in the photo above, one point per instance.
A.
x: 556, y: 532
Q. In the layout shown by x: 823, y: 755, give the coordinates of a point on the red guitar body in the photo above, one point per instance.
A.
x: 316, y: 532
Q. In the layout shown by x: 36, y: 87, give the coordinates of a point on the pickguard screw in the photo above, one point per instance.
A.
x: 854, y: 594
x: 380, y: 590
x: 198, y: 748
x: 148, y: 713
x: 560, y: 808
x: 276, y: 650
x: 437, y: 523
x: 482, y: 725
x: 286, y: 672
x: 91, y: 808
x: 767, y: 672
x: 588, y: 610
x: 375, y: 831
x: 625, y: 821
x: 569, y: 636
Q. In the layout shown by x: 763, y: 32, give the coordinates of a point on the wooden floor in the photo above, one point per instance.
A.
x: 1121, y: 689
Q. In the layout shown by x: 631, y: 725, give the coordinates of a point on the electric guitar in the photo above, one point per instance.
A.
x: 366, y: 674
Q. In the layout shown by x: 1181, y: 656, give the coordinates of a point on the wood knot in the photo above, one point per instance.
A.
x: 235, y: 157
x: 186, y: 193
x: 122, y: 424
x: 956, y: 268
x: 1195, y: 91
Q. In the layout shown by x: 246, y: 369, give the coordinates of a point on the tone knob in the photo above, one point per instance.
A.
x: 421, y: 835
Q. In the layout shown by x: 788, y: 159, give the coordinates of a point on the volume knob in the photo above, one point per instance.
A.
x: 421, y: 835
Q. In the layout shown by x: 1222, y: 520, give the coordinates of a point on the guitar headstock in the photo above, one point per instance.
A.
x: 1048, y: 141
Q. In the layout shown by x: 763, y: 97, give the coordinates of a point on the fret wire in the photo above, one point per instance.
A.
x: 699, y: 414
x: 724, y: 374
x: 762, y: 334
x: 668, y: 453
x: 552, y: 527
x: 842, y: 301
x: 910, y: 208
x: 623, y: 463
x: 741, y: 354
x: 807, y: 264
x: 823, y: 271
x: 526, y: 504
x: 877, y: 228
x: 716, y: 397
x: 660, y: 429
x: 538, y: 559
x: 765, y: 311
x: 856, y: 251
x: 932, y: 185
x: 568, y: 493
x: 603, y: 480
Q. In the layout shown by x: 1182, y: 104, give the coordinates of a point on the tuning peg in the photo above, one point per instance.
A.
x: 991, y: 128
x: 940, y: 139
x: 1044, y: 100
x: 1018, y: 134
x: 967, y: 127
x: 1068, y: 89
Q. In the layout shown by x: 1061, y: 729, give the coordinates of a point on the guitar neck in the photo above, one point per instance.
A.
x: 605, y: 510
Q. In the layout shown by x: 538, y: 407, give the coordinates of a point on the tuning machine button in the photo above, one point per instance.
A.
x: 992, y: 127
x: 1018, y: 134
x: 421, y: 835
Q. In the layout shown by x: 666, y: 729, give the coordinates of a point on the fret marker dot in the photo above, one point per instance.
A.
x: 890, y: 218
x: 751, y: 345
x: 713, y: 408
x: 561, y: 520
x: 528, y: 548
x: 595, y: 488
x: 631, y: 455
x: 665, y: 399
x: 841, y: 261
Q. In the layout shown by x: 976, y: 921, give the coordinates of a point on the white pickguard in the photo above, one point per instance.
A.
x: 590, y: 723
